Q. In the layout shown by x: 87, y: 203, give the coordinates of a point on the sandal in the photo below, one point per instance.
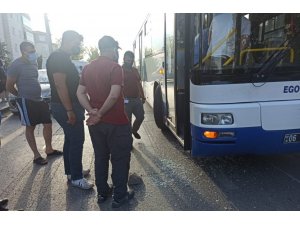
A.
x: 40, y: 161
x: 55, y: 153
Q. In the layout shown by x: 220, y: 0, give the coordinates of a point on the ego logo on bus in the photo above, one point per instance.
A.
x: 291, y: 89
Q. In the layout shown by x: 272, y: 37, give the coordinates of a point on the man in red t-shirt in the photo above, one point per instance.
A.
x: 133, y: 93
x: 100, y: 93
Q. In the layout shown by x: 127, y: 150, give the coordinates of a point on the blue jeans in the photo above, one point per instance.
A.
x: 74, y: 138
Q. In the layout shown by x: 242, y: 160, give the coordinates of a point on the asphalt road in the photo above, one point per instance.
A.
x: 172, y: 180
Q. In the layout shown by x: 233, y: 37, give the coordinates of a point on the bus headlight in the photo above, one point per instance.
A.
x: 217, y: 118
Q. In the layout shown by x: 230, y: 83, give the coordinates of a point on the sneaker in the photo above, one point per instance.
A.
x: 118, y: 203
x: 3, y: 202
x: 102, y: 197
x: 82, y: 183
x: 136, y: 135
x: 85, y: 173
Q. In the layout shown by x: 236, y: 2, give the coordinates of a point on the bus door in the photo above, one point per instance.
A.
x: 180, y: 74
x: 170, y: 70
x: 175, y: 74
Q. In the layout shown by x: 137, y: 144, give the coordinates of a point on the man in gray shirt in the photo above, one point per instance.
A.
x: 33, y: 110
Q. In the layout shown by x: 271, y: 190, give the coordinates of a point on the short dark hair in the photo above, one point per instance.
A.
x: 70, y: 35
x: 107, y: 42
x: 25, y: 44
x: 129, y: 53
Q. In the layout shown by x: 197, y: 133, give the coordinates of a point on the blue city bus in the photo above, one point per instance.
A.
x: 223, y: 83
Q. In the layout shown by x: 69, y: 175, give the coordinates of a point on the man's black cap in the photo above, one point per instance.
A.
x: 107, y: 42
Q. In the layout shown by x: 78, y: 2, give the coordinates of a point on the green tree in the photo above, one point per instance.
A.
x: 92, y: 53
x: 81, y: 54
x: 56, y: 44
x: 4, y: 54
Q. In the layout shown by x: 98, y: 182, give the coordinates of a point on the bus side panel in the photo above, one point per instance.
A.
x: 280, y: 115
x: 252, y: 140
x: 152, y: 66
x: 233, y: 93
x: 244, y: 114
x: 250, y: 135
x: 148, y: 89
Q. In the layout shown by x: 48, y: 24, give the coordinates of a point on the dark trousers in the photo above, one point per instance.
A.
x: 74, y: 138
x: 111, y: 142
x: 135, y: 106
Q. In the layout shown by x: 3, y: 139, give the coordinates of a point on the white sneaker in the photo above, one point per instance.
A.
x: 82, y: 183
x: 84, y: 174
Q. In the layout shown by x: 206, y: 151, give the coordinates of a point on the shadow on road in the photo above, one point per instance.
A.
x: 173, y: 187
x: 252, y: 182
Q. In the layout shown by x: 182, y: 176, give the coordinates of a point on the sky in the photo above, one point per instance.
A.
x: 123, y: 19
x: 123, y: 26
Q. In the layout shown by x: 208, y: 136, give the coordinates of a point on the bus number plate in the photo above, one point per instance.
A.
x: 291, y: 138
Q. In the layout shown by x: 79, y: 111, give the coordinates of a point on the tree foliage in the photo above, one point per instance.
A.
x: 4, y: 54
x: 56, y: 44
x: 92, y: 53
x: 80, y: 55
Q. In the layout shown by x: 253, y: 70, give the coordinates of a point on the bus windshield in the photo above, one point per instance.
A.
x: 238, y: 48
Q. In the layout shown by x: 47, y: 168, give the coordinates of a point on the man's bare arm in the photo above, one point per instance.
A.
x: 63, y: 93
x: 62, y: 90
x: 83, y: 98
x: 112, y: 98
x: 10, y: 85
x: 96, y: 115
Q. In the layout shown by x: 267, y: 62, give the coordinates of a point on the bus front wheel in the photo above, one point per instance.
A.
x: 158, y: 109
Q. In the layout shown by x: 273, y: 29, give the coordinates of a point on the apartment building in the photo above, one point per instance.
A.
x: 15, y: 28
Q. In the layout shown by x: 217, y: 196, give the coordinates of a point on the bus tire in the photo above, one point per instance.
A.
x: 158, y: 109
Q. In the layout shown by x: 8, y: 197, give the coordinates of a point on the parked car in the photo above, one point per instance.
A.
x: 46, y: 92
x: 80, y: 64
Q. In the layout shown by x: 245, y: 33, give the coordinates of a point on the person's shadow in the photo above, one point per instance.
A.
x: 79, y: 200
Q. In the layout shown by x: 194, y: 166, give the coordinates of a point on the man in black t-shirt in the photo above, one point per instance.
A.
x: 64, y: 79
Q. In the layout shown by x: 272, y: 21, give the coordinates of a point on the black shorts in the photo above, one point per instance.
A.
x: 33, y: 112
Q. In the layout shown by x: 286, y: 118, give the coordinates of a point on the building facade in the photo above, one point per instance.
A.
x: 42, y: 46
x: 15, y: 28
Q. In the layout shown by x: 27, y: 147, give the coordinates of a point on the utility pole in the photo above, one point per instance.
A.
x: 48, y: 32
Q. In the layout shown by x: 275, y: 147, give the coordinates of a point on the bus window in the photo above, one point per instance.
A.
x: 196, y: 38
x: 221, y: 40
x: 241, y: 45
x: 206, y: 20
x: 180, y: 50
x: 147, y: 37
x: 157, y: 29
